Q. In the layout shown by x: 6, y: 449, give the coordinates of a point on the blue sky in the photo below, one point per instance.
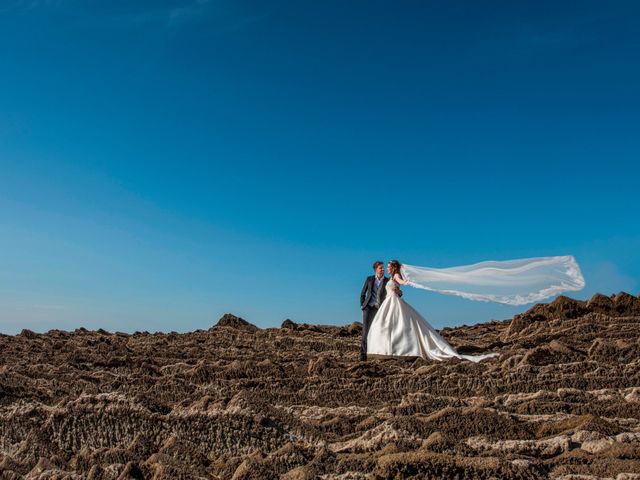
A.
x: 165, y: 162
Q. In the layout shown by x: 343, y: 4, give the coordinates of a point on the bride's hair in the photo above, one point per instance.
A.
x: 395, y: 268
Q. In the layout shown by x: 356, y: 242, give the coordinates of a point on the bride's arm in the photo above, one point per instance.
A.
x: 399, y: 279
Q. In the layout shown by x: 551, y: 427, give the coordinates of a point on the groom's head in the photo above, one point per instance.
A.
x: 378, y: 268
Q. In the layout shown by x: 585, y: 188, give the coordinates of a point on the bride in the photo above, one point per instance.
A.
x: 399, y: 330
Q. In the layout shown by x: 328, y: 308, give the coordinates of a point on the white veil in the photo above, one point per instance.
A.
x: 512, y: 282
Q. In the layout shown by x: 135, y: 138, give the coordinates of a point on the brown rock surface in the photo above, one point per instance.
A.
x: 236, y: 401
x: 231, y: 321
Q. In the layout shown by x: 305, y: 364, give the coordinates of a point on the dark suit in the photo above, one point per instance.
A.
x: 368, y: 311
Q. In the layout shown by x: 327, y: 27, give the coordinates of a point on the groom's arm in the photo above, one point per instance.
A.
x: 363, y: 293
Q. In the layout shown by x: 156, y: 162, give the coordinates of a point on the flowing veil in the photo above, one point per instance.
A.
x: 511, y: 282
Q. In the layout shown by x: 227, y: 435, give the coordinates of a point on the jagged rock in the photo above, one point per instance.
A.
x: 565, y: 308
x: 550, y: 447
x: 289, y: 324
x: 26, y: 333
x: 626, y: 304
x: 600, y: 303
x: 229, y: 320
x: 323, y: 362
x: 561, y: 400
x: 561, y: 308
x: 352, y: 329
x: 310, y: 328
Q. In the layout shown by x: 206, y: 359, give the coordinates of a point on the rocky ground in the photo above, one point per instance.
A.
x: 235, y: 401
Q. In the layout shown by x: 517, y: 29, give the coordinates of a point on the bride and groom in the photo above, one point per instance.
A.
x: 393, y: 327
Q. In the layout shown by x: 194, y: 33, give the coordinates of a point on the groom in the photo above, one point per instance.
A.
x: 371, y: 297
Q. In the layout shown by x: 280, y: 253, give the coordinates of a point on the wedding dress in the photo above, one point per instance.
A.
x: 398, y: 329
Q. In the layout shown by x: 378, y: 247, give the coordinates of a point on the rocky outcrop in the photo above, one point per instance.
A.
x: 231, y: 321
x: 565, y: 308
x: 289, y: 324
x: 561, y: 401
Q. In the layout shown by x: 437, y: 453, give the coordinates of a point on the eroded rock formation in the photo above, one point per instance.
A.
x: 241, y: 402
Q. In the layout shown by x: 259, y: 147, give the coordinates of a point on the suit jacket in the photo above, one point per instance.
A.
x: 367, y: 291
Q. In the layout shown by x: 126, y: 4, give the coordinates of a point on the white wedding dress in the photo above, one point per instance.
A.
x: 399, y: 330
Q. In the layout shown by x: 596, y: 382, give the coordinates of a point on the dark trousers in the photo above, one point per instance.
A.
x: 367, y: 317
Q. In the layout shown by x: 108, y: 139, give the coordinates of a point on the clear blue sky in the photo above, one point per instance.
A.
x: 164, y: 162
